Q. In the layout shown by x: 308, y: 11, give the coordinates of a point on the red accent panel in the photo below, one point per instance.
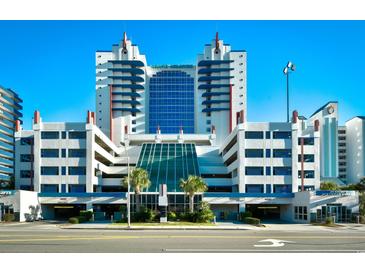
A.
x: 302, y: 161
x: 111, y: 112
x: 230, y: 108
x: 316, y: 125
x: 93, y: 116
x: 36, y: 117
x: 242, y: 115
x: 125, y: 129
x: 17, y: 125
x: 295, y: 116
x: 88, y: 117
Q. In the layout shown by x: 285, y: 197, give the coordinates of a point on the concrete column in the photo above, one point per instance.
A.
x: 242, y: 207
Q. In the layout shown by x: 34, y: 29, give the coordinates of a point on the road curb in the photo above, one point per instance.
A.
x: 155, y: 228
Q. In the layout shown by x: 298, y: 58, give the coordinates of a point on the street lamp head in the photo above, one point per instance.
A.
x: 289, y: 64
x: 293, y: 67
x: 285, y: 70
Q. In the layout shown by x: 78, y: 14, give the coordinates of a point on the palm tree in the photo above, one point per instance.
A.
x: 192, y: 185
x: 138, y: 180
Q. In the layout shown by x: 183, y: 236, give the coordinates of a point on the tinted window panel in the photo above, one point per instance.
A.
x: 49, y: 170
x: 254, y: 135
x: 254, y: 171
x: 282, y: 135
x: 282, y: 153
x: 77, y: 135
x: 254, y: 188
x: 50, y: 135
x: 77, y: 153
x: 254, y: 153
x: 282, y: 171
x: 77, y: 170
x: 49, y: 153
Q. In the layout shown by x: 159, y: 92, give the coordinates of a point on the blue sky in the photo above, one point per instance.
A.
x: 51, y: 64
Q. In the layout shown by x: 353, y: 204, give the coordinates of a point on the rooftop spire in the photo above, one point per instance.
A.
x: 216, y: 41
x: 125, y: 40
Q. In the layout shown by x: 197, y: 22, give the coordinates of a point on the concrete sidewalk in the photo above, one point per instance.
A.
x: 110, y: 226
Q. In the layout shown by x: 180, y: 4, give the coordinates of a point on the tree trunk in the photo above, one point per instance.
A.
x: 191, y: 203
x: 138, y: 205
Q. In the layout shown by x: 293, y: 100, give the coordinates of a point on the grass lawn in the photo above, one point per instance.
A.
x: 328, y: 225
x: 167, y: 224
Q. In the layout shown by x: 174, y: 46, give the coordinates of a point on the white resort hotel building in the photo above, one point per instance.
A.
x: 175, y: 121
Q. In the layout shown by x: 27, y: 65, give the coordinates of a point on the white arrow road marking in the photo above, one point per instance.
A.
x: 274, y: 243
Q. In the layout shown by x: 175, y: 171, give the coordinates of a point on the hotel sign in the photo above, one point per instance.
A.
x: 335, y: 193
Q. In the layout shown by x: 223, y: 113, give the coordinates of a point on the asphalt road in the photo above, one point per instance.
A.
x: 49, y: 238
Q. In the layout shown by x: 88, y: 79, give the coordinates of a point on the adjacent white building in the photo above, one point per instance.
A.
x: 355, y: 155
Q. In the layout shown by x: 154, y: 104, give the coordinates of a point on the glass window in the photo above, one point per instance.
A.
x: 26, y: 158
x: 254, y: 135
x: 282, y: 135
x: 282, y: 189
x: 308, y: 141
x: 77, y: 188
x: 49, y: 170
x: 308, y: 158
x: 268, y: 153
x: 308, y: 174
x: 171, y: 103
x: 282, y: 171
x: 267, y: 135
x: 26, y: 174
x: 26, y: 141
x: 254, y: 171
x: 77, y: 153
x: 77, y: 170
x: 254, y: 188
x: 49, y: 153
x: 268, y: 188
x: 50, y: 135
x: 63, y: 153
x: 254, y: 153
x: 49, y: 188
x: 77, y: 135
x: 64, y: 135
x: 63, y: 188
x: 268, y: 170
x: 282, y: 153
x: 63, y: 170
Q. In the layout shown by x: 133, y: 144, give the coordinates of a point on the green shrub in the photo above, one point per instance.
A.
x: 362, y: 219
x: 82, y: 219
x: 87, y: 214
x: 329, y: 220
x: 73, y: 220
x: 252, y: 221
x: 243, y: 215
x: 171, y: 216
x: 204, y: 214
x: 144, y: 215
x: 8, y: 217
x: 329, y: 185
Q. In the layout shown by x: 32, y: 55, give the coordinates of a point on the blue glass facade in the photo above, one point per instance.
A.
x: 171, y: 102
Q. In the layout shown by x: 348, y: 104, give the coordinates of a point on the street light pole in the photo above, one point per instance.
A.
x: 289, y: 67
x: 287, y: 97
x: 128, y: 193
